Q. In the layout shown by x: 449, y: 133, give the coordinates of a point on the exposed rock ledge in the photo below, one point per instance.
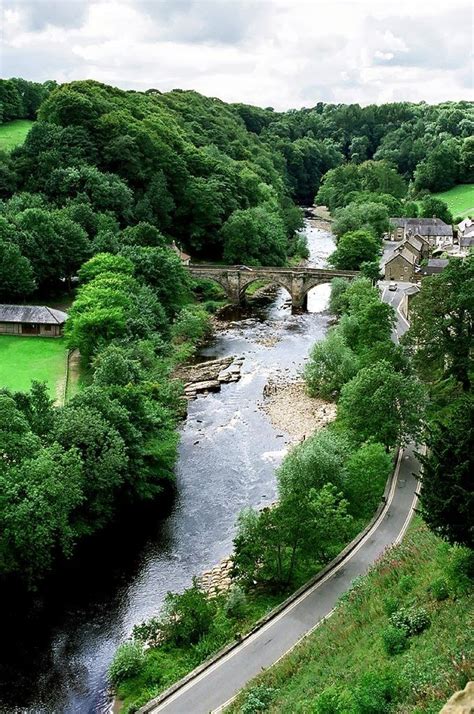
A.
x: 293, y: 411
x: 208, y: 376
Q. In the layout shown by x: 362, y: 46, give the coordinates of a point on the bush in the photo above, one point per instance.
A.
x: 406, y: 584
x: 413, y: 620
x: 439, y: 589
x: 395, y: 640
x: 236, y: 603
x: 187, y: 616
x: 258, y: 699
x: 460, y: 569
x: 127, y: 662
x: 333, y: 700
x: 375, y: 692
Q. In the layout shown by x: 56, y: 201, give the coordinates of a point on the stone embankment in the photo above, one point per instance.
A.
x: 217, y: 579
x: 208, y: 376
x: 292, y: 410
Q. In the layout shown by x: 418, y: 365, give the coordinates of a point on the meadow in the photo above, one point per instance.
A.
x: 460, y: 200
x: 13, y: 133
x: 24, y: 359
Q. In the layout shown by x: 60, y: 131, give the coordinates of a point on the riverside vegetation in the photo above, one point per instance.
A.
x: 104, y: 182
x: 328, y: 488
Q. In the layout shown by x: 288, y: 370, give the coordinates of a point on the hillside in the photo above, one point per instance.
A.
x: 344, y: 666
x: 14, y: 133
x: 460, y: 200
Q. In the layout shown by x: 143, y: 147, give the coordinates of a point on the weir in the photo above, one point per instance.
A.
x: 235, y: 279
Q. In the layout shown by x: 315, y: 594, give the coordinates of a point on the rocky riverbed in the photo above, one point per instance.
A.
x: 208, y: 376
x: 292, y: 410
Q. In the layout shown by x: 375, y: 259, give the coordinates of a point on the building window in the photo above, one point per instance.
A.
x: 47, y: 328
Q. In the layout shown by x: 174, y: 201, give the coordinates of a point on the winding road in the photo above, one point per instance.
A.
x: 213, y: 686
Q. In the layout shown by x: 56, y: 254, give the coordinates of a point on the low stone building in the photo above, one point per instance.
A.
x: 433, y: 230
x: 31, y: 320
x: 401, y: 266
x: 434, y: 266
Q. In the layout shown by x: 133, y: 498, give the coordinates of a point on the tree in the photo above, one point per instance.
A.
x: 382, y: 405
x: 104, y: 263
x: 255, y: 236
x: 441, y: 329
x: 435, y: 208
x: 440, y: 170
x: 362, y: 216
x: 16, y: 273
x: 447, y: 493
x: 371, y: 270
x: 38, y: 510
x: 368, y: 469
x: 332, y: 363
x: 353, y: 249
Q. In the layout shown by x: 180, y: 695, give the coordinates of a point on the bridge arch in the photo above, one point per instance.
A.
x: 269, y: 280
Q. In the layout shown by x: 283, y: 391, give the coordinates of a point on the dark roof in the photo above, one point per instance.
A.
x: 437, y: 262
x: 423, y: 226
x: 404, y: 253
x: 414, y: 242
x: 36, y: 314
x: 412, y: 290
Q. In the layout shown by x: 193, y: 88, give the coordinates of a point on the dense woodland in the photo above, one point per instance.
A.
x: 104, y: 182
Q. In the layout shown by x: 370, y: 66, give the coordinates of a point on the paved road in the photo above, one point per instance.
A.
x: 220, y: 682
x: 394, y: 299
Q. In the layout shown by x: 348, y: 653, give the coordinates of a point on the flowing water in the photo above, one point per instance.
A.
x: 55, y: 659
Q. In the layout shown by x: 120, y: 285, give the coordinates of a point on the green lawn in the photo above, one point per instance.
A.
x: 460, y: 199
x: 14, y: 133
x: 23, y: 359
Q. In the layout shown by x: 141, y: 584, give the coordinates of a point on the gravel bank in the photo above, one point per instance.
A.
x: 293, y: 411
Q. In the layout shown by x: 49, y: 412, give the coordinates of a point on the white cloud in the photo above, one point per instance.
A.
x: 283, y: 53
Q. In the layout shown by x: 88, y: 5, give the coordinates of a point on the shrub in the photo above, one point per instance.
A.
x: 460, y: 569
x: 375, y: 692
x: 236, y: 603
x: 395, y: 640
x: 406, y: 584
x: 258, y: 699
x: 390, y: 604
x: 187, y: 616
x: 413, y: 620
x: 127, y: 662
x: 439, y: 589
x: 333, y: 700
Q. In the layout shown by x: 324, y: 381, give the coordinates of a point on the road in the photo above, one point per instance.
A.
x: 214, y: 687
x: 221, y: 681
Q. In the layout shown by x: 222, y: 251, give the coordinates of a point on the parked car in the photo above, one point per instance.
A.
x: 392, y: 287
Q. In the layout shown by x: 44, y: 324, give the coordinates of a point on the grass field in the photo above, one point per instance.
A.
x: 23, y: 359
x: 460, y: 199
x: 345, y: 667
x: 14, y: 133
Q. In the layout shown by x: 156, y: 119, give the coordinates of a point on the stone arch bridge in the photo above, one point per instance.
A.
x: 235, y: 279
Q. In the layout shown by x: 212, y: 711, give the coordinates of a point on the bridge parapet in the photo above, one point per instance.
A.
x: 297, y: 281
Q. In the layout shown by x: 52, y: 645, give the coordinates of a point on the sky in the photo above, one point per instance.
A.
x: 279, y: 53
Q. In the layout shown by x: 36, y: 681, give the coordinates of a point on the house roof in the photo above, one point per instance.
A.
x: 412, y: 290
x: 466, y: 241
x: 423, y: 226
x: 415, y: 242
x: 36, y: 314
x: 437, y: 262
x: 465, y: 223
x: 405, y: 254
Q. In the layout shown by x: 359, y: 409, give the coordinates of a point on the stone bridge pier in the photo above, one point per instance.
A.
x: 235, y: 279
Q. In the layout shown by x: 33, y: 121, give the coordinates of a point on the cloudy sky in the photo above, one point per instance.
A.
x: 280, y: 53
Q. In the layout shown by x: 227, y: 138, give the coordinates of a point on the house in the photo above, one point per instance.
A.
x: 434, y: 230
x: 31, y: 320
x: 434, y: 266
x: 401, y: 266
x: 466, y: 228
x: 184, y: 257
x: 414, y: 245
x: 407, y: 297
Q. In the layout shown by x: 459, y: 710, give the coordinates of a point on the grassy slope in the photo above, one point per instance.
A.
x: 460, y: 199
x: 23, y: 359
x: 350, y: 644
x: 14, y: 133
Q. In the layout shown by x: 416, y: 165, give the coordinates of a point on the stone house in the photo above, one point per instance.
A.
x: 414, y: 245
x: 31, y: 320
x: 184, y: 257
x: 437, y: 233
x: 401, y: 266
x: 465, y: 229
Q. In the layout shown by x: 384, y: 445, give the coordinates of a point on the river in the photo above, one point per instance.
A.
x: 55, y: 658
